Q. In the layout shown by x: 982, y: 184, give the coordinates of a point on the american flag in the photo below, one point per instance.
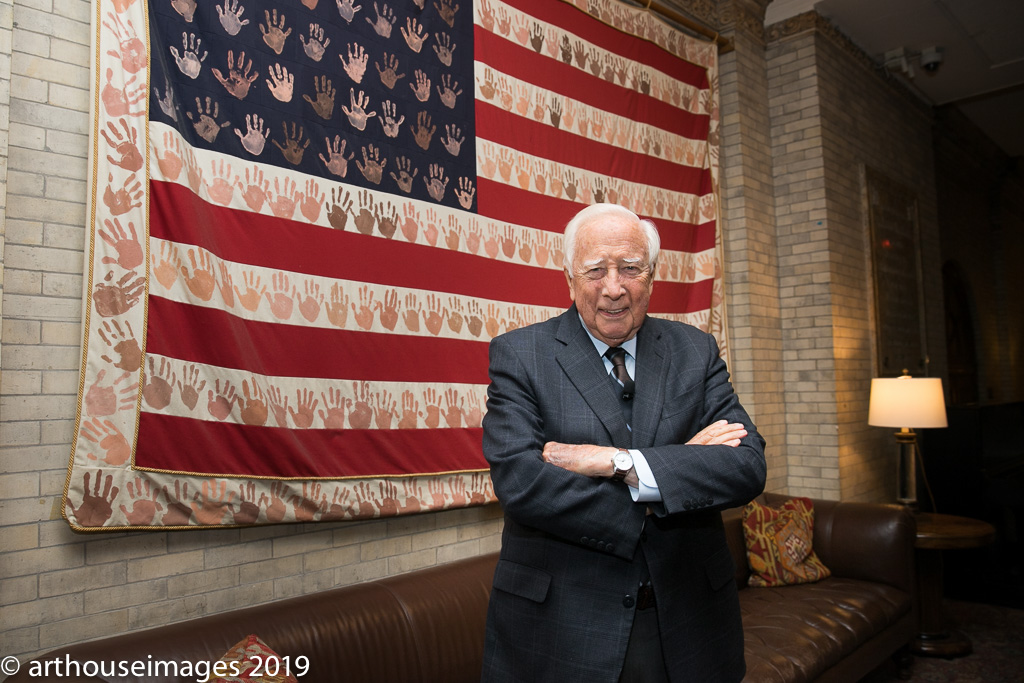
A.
x: 310, y: 218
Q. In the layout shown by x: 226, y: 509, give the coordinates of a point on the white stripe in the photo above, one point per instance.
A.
x: 286, y: 297
x: 216, y: 394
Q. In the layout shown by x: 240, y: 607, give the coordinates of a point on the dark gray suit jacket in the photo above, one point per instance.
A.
x: 573, y: 547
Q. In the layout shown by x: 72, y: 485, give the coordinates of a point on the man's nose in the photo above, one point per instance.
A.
x: 612, y: 285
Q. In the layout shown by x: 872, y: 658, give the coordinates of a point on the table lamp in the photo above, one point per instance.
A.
x: 907, y: 403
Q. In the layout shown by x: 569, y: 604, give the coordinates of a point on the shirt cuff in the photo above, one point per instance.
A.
x: 648, y: 491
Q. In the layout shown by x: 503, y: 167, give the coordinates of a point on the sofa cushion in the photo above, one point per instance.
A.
x: 794, y: 633
x: 779, y: 543
x: 251, y: 660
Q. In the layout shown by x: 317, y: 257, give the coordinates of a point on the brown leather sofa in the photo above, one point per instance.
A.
x: 841, y: 628
x: 427, y: 626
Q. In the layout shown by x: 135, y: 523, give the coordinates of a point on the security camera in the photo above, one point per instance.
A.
x: 931, y: 59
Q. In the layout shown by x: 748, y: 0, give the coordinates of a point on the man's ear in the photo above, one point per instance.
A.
x: 568, y: 281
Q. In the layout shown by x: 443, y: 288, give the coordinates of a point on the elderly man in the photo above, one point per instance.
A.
x: 614, y: 440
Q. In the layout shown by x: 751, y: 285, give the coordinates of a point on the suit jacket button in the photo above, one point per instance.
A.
x: 628, y: 601
x: 609, y: 547
x: 585, y: 541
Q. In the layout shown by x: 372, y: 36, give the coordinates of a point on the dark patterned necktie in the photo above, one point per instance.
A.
x: 617, y: 355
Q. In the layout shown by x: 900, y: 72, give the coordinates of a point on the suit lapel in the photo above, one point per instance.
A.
x: 652, y: 373
x: 585, y: 369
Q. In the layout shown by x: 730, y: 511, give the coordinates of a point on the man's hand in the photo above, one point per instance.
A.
x: 718, y: 434
x: 585, y: 459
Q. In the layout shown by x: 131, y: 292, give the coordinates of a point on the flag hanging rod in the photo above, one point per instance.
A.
x: 724, y: 44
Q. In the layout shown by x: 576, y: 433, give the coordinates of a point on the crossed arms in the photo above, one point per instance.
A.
x: 595, y: 461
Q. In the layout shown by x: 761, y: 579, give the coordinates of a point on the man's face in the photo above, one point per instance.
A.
x: 611, y: 278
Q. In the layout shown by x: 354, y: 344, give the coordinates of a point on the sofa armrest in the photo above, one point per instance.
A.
x: 868, y: 541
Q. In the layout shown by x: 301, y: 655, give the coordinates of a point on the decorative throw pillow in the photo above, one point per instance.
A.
x: 778, y: 541
x: 250, y: 660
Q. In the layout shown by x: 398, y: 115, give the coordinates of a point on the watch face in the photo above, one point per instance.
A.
x: 623, y: 461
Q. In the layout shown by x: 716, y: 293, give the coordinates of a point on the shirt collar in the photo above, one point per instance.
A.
x: 628, y: 346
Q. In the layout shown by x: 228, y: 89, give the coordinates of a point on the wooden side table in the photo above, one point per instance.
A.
x: 936, y: 533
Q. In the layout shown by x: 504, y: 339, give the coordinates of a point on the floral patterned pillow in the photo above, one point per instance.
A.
x: 778, y: 541
x: 252, y: 661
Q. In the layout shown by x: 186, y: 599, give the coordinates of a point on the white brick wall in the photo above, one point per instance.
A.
x: 831, y: 118
x: 748, y: 226
x: 6, y: 42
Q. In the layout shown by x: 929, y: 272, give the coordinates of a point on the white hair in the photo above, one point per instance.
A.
x: 595, y: 211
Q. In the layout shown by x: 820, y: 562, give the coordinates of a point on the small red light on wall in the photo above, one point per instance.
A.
x: 886, y: 244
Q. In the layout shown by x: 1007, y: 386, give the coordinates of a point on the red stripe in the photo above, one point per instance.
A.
x: 673, y: 297
x: 556, y: 76
x: 182, y: 444
x: 526, y: 135
x: 612, y: 39
x: 179, y: 215
x: 212, y: 337
x: 522, y: 207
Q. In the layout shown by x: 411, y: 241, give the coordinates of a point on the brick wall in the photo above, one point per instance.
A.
x: 6, y: 34
x: 833, y: 117
x: 811, y: 444
x: 57, y: 587
x: 804, y: 117
x: 748, y: 232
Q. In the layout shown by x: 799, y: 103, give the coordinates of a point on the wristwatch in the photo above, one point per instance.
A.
x: 623, y: 463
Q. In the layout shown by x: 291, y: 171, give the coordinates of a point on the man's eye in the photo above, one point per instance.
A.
x: 596, y: 273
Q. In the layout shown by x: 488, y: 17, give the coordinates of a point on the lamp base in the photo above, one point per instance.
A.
x: 906, y: 469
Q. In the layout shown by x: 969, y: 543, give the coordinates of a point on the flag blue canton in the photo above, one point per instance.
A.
x: 373, y: 95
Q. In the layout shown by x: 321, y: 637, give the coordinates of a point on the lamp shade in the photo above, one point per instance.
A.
x: 907, y: 402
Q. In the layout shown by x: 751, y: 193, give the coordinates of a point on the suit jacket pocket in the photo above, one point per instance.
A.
x: 720, y: 569
x: 519, y: 579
